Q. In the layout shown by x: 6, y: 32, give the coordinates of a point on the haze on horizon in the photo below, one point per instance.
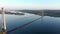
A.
x: 30, y: 4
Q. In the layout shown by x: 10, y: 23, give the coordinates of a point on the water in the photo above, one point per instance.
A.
x: 45, y: 25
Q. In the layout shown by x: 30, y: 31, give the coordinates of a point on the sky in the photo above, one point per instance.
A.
x: 30, y: 4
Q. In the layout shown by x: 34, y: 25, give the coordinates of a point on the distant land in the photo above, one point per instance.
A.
x: 52, y: 13
x: 14, y: 13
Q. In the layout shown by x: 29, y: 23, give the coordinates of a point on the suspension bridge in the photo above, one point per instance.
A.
x: 18, y: 27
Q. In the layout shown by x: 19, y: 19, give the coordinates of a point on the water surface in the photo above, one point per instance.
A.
x: 45, y: 25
